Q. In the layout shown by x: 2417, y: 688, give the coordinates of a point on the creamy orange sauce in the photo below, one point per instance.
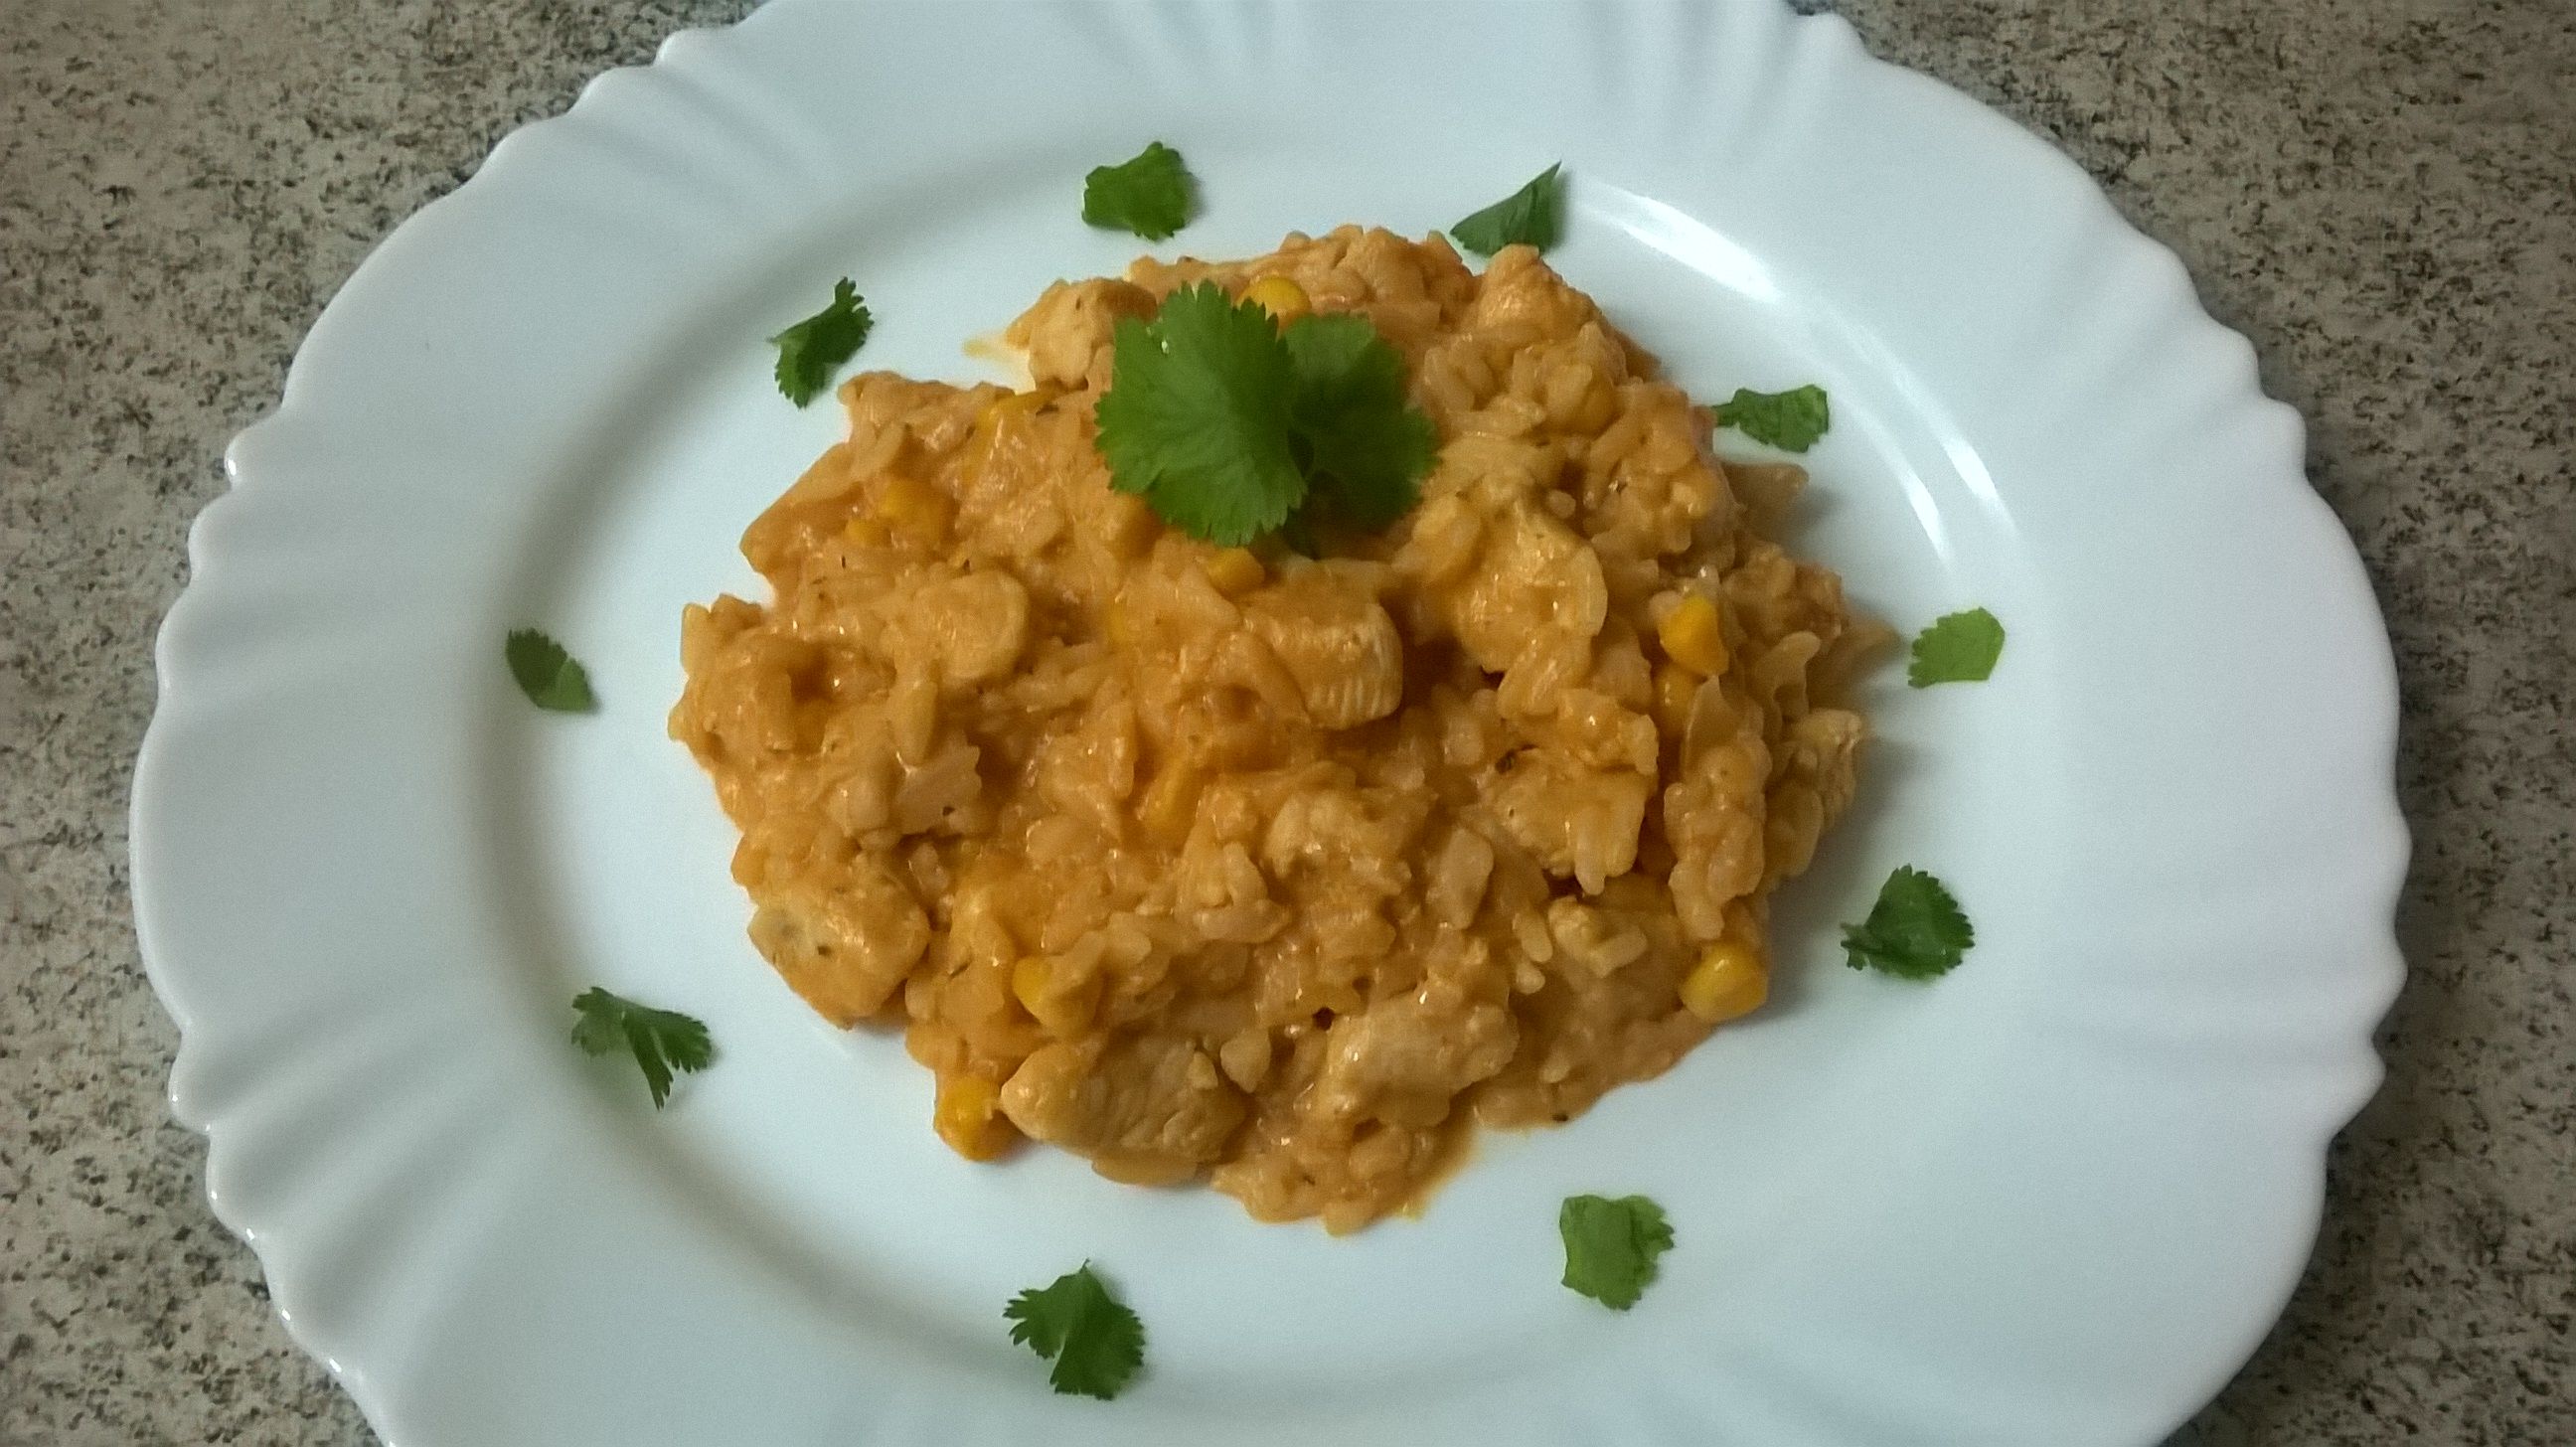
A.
x: 1230, y: 864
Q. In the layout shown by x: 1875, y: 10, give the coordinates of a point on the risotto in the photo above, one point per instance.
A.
x: 1280, y: 872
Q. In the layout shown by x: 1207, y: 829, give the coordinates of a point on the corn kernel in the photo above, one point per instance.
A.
x: 915, y: 509
x: 864, y: 532
x: 1062, y: 1008
x: 1285, y: 300
x: 1169, y: 803
x: 1235, y: 571
x: 1120, y: 622
x: 1029, y: 982
x: 1692, y: 638
x: 1730, y: 980
x: 968, y: 1115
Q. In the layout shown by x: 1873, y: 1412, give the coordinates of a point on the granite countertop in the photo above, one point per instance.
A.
x: 2381, y: 193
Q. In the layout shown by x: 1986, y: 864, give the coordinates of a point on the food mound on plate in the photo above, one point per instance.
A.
x: 1274, y: 869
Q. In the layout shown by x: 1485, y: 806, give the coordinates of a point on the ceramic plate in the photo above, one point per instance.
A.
x: 2053, y: 1199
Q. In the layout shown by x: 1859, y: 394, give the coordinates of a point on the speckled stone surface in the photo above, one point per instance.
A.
x: 2381, y: 193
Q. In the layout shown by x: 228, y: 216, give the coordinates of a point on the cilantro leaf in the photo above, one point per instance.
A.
x: 809, y: 351
x: 1534, y: 215
x: 1149, y: 195
x: 1195, y: 420
x: 1611, y: 1246
x: 1225, y: 424
x: 546, y: 674
x: 1956, y: 648
x: 660, y: 1040
x: 1095, y: 1342
x: 1790, y: 421
x: 1916, y: 930
x: 1365, y: 445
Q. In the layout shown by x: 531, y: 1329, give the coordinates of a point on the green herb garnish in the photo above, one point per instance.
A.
x: 1916, y: 931
x: 1359, y: 439
x: 1790, y: 421
x: 546, y: 674
x: 1611, y: 1246
x: 811, y: 350
x: 1149, y: 195
x: 660, y: 1040
x: 1534, y: 215
x: 1228, y: 426
x: 1957, y: 648
x: 1095, y: 1342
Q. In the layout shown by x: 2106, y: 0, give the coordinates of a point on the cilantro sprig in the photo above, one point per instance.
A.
x: 1791, y: 421
x: 1149, y: 195
x: 1611, y: 1246
x: 1350, y: 425
x: 661, y: 1041
x: 810, y: 351
x: 1533, y: 215
x: 1916, y: 930
x: 1075, y: 1322
x: 1956, y: 648
x: 546, y: 673
x: 1230, y: 426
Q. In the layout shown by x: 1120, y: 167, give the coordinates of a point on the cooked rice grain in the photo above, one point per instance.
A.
x: 1206, y: 862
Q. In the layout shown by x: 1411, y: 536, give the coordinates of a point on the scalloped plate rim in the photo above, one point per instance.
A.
x: 179, y: 674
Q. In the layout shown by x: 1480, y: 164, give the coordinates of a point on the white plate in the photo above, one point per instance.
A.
x: 2053, y: 1199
